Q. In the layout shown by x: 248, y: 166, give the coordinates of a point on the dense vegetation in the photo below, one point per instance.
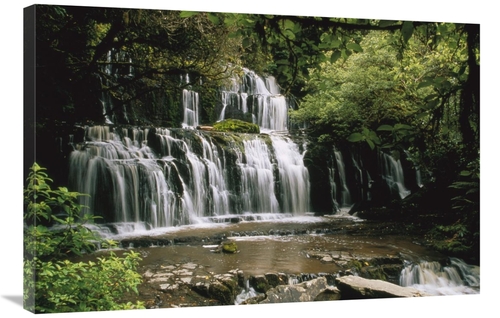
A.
x: 398, y: 86
x: 54, y: 231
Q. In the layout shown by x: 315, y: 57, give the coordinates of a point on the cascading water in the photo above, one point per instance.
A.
x: 392, y: 173
x: 337, y: 172
x: 436, y: 279
x: 118, y: 65
x: 190, y: 105
x: 147, y: 179
x: 294, y: 177
x: 257, y: 179
x: 259, y: 98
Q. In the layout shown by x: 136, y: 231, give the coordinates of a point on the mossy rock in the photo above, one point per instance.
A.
x: 235, y: 125
x: 230, y: 247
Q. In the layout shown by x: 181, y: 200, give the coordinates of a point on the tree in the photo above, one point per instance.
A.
x: 87, y: 56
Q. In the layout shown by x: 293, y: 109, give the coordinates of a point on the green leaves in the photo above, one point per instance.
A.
x: 55, y: 284
x: 407, y: 30
x: 399, y: 133
x: 354, y: 47
x: 367, y: 135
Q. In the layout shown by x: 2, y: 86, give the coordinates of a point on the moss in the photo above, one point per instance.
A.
x: 355, y: 264
x: 229, y: 247
x: 238, y: 126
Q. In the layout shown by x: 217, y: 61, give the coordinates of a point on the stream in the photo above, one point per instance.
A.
x: 303, y: 248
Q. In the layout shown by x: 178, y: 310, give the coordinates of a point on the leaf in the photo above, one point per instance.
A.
x: 289, y: 25
x: 247, y: 42
x: 355, y: 47
x: 289, y: 34
x: 424, y: 84
x: 213, y: 18
x: 335, y: 56
x: 385, y: 128
x: 421, y: 115
x: 465, y: 173
x: 187, y: 14
x: 355, y: 137
x: 407, y: 30
x: 370, y: 143
x: 402, y: 126
x: 386, y: 23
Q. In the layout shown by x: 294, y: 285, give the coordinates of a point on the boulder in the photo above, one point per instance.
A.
x: 259, y: 283
x: 355, y: 287
x: 221, y: 292
x: 306, y: 291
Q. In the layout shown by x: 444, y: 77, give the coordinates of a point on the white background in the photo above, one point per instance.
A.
x: 11, y: 143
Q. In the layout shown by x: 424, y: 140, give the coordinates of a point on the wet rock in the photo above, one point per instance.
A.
x: 241, y: 278
x: 307, y: 291
x: 327, y: 259
x: 330, y: 293
x: 275, y: 279
x: 254, y: 300
x: 355, y: 287
x: 259, y: 283
x: 221, y: 292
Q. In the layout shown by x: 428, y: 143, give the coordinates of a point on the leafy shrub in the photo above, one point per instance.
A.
x: 54, y: 229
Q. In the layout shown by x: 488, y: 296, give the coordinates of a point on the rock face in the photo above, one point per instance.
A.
x: 306, y: 291
x: 355, y: 287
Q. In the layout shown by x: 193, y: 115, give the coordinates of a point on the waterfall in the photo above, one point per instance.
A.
x: 436, y: 279
x: 190, y: 105
x: 337, y: 172
x: 392, y: 174
x: 255, y: 98
x: 154, y: 178
x: 258, y: 193
x: 118, y: 65
x: 122, y: 182
x: 293, y: 175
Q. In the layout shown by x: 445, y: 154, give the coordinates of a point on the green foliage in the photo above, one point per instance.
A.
x: 55, y: 230
x: 367, y: 135
x: 58, y: 209
x: 64, y: 286
x: 235, y: 125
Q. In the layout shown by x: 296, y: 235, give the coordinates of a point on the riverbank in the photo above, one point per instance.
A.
x: 181, y: 269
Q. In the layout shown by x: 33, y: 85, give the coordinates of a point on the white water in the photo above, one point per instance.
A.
x: 187, y: 181
x: 392, y: 173
x: 294, y: 176
x: 337, y: 169
x: 190, y: 105
x: 258, y: 193
x: 457, y: 278
x: 269, y: 108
